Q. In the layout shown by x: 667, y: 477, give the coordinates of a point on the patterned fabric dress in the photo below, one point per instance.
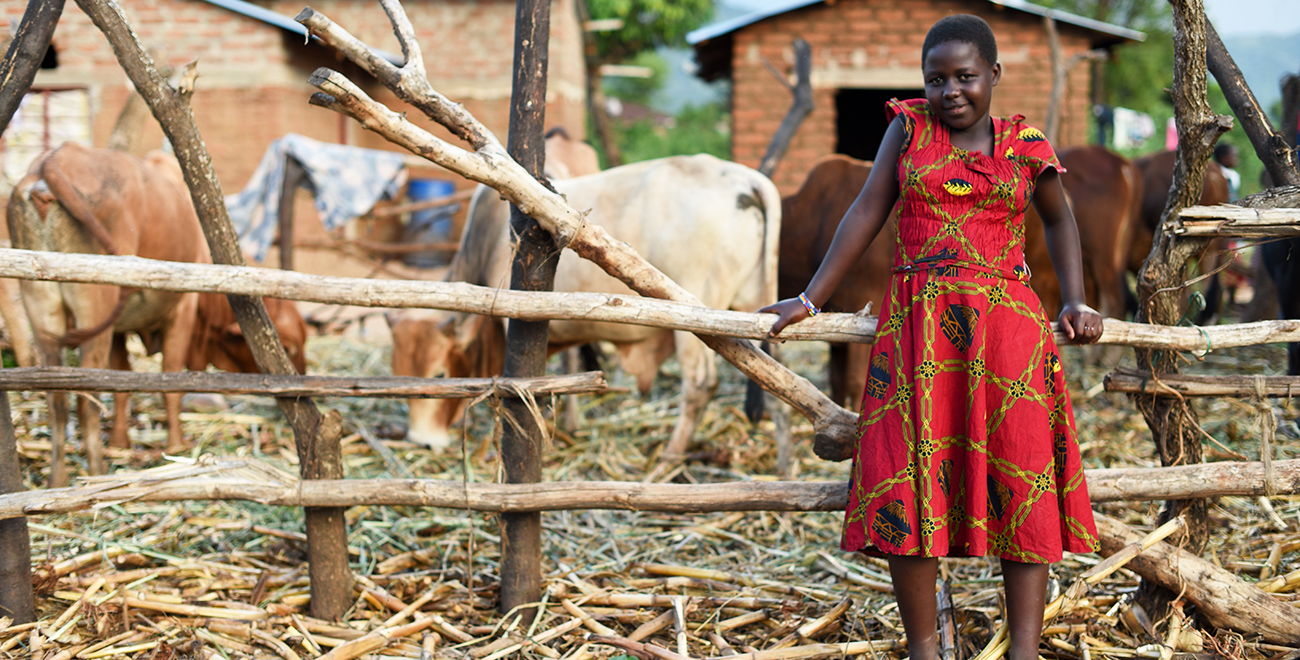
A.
x: 966, y: 441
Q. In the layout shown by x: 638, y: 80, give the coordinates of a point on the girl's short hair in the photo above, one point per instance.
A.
x: 962, y: 27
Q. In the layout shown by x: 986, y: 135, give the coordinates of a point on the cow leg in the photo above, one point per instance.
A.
x: 44, y: 310
x: 175, y: 350
x: 572, y: 418
x: 120, y: 359
x: 95, y: 354
x: 699, y: 379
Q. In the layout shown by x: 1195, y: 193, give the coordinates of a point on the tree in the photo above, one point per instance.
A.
x: 646, y: 25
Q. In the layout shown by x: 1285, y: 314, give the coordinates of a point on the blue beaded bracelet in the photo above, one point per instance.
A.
x: 807, y: 304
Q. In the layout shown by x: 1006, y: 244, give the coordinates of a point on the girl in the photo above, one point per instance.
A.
x: 966, y: 440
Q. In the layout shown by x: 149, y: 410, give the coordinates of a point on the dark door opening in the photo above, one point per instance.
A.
x: 860, y: 119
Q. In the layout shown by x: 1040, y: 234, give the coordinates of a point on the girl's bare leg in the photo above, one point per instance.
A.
x: 1026, y: 587
x: 913, y: 579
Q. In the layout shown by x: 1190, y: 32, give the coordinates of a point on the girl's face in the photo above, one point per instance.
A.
x: 959, y: 84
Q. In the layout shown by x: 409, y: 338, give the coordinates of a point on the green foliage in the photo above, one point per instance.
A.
x: 8, y: 359
x: 647, y: 24
x: 696, y: 129
x: 639, y: 90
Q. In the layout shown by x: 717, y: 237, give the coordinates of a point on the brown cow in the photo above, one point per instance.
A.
x: 75, y: 199
x: 1105, y: 191
x: 219, y: 341
x: 1157, y: 176
x: 808, y: 222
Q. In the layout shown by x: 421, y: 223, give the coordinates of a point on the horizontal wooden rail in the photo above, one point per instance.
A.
x: 1239, y: 222
x: 1195, y: 385
x: 249, y: 479
x: 109, y: 380
x: 536, y: 306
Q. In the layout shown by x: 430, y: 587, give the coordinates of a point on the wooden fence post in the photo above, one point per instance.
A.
x: 16, y: 599
x: 1172, y: 421
x: 533, y: 270
x: 315, y: 435
x: 25, y: 54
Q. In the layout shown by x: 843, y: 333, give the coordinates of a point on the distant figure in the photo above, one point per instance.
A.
x: 1226, y: 156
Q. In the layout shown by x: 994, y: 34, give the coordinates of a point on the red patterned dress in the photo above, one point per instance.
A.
x: 966, y: 441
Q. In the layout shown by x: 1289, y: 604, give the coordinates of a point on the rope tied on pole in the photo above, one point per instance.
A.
x: 1267, y: 429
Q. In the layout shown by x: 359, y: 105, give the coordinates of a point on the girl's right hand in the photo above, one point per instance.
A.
x: 788, y: 311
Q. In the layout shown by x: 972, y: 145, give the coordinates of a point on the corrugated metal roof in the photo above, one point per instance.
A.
x: 726, y: 27
x: 283, y: 22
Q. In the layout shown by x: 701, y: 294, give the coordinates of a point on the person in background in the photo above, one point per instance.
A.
x: 1227, y: 157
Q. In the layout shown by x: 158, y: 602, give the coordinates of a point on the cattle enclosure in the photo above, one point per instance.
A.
x: 830, y: 421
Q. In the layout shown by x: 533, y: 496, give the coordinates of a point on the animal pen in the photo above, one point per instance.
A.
x: 1224, y: 599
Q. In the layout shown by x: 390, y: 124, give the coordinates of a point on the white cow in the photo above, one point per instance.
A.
x: 709, y: 224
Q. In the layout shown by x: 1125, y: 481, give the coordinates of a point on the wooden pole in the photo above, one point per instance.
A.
x: 70, y: 379
x: 316, y: 435
x: 1274, y: 151
x: 1187, y: 385
x: 541, y: 305
x: 1173, y: 423
x: 251, y: 480
x: 800, y: 106
x: 16, y: 598
x: 1224, y: 599
x: 25, y: 54
x: 533, y: 269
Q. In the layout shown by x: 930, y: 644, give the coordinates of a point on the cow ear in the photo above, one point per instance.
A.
x: 470, y: 327
x: 447, y: 326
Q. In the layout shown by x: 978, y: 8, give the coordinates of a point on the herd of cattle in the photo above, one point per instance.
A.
x: 719, y: 229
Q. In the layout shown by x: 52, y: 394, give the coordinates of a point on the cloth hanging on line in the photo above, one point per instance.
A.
x: 345, y: 182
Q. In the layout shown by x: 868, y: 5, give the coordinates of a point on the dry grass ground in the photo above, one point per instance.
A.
x: 228, y: 580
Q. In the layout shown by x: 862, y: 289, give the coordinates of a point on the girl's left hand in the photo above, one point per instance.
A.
x: 1080, y: 323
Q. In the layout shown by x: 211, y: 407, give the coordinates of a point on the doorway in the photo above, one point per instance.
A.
x: 860, y: 119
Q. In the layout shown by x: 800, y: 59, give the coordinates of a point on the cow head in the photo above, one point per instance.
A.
x: 430, y: 344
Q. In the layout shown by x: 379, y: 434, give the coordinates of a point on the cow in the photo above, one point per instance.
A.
x: 1105, y: 193
x: 218, y: 339
x: 1281, y: 260
x: 710, y: 225
x: 1157, y: 176
x: 97, y: 201
x: 809, y: 219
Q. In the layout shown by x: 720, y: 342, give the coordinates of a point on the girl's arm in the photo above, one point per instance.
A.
x: 860, y: 225
x: 1080, y: 323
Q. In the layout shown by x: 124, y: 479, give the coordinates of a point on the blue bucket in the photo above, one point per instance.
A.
x: 431, y: 225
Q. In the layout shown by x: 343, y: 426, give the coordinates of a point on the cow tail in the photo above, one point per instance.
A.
x: 76, y: 336
x: 75, y: 203
x: 770, y: 205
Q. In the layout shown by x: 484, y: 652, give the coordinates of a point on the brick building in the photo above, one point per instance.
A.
x: 253, y: 64
x: 866, y: 51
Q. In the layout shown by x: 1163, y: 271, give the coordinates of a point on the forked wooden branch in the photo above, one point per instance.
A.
x: 833, y: 424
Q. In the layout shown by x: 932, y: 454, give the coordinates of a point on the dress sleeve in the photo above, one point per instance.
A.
x: 911, y: 114
x: 1033, y: 149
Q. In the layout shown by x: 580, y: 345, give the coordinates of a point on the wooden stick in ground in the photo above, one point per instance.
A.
x: 17, y: 600
x: 316, y: 435
x: 1223, y: 598
x: 834, y: 425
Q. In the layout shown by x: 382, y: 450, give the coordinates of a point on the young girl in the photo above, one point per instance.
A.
x: 967, y: 444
